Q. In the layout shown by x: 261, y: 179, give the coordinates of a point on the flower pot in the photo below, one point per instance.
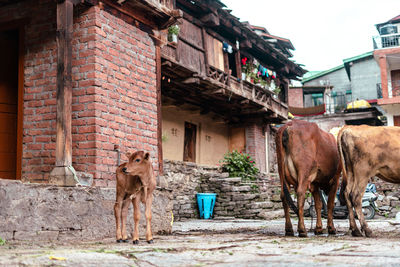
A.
x: 173, y: 38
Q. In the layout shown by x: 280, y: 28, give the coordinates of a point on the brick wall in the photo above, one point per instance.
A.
x: 114, y: 90
x: 255, y: 144
x: 114, y: 95
x: 295, y: 97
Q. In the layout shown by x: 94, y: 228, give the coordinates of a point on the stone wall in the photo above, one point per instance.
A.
x: 257, y: 199
x: 44, y: 212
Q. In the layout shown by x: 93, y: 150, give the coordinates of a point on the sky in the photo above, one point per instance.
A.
x: 323, y: 32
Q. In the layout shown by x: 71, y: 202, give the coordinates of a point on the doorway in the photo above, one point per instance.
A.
x: 10, y: 139
x: 189, y: 149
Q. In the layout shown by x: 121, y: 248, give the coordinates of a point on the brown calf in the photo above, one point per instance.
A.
x: 135, y: 182
x: 367, y: 151
x: 307, y: 159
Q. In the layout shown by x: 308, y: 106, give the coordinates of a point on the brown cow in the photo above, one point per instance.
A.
x: 367, y: 151
x: 307, y: 159
x: 135, y: 182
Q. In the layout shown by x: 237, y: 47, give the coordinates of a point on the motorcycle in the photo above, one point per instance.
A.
x: 369, y: 205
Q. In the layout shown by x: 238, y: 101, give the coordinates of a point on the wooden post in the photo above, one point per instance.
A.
x: 63, y: 173
x: 158, y: 42
x: 159, y: 106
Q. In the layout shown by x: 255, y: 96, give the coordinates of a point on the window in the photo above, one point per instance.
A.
x: 313, y: 99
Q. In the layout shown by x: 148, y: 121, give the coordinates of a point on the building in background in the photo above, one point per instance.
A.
x: 325, y: 95
x: 387, y: 55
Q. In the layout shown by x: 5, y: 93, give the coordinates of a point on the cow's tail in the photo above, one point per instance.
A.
x: 282, y: 138
x: 343, y: 164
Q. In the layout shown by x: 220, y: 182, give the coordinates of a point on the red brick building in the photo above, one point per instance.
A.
x: 94, y: 64
x: 81, y: 82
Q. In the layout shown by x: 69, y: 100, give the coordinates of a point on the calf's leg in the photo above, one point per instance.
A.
x: 124, y: 216
x: 117, y: 214
x: 149, y: 201
x: 136, y: 218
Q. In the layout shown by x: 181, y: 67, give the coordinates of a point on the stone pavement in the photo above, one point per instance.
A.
x: 232, y: 242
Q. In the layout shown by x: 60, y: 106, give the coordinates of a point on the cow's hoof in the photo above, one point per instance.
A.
x: 368, y: 233
x: 125, y: 240
x: 150, y: 241
x: 119, y: 240
x: 356, y: 233
x: 302, y: 234
x: 332, y: 231
x: 289, y: 233
x: 318, y: 231
x: 135, y: 242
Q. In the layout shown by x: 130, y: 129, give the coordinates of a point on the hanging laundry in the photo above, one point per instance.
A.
x: 227, y: 48
x: 273, y: 75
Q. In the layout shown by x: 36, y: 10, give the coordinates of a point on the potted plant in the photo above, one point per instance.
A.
x: 173, y: 32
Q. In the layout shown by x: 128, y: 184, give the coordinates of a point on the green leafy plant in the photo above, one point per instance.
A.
x: 239, y: 164
x: 174, y: 29
x: 2, y: 241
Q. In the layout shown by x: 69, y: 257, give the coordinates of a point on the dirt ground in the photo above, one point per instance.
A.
x: 220, y: 243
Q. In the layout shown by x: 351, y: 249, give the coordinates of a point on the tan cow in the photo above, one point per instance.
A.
x: 135, y: 182
x: 367, y: 151
x: 307, y: 159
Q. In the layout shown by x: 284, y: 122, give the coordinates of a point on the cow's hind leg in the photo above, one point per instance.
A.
x: 331, y: 205
x: 136, y: 218
x: 353, y: 226
x: 288, y: 224
x: 318, y: 206
x: 357, y: 202
x: 301, y: 191
x: 149, y: 201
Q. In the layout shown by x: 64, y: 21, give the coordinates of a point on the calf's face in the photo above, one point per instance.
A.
x: 138, y: 163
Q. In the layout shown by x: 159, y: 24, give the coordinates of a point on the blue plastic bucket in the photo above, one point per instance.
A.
x: 206, y: 202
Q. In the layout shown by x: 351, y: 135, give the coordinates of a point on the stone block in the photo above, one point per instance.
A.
x: 244, y: 188
x: 244, y: 197
x: 395, y: 203
x: 6, y: 235
x: 270, y: 215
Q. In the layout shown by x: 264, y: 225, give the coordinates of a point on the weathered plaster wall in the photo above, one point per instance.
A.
x: 212, y: 139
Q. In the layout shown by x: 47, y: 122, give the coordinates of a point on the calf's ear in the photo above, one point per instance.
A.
x: 147, y: 155
x: 128, y: 155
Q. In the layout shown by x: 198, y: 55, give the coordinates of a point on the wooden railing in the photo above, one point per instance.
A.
x: 218, y: 75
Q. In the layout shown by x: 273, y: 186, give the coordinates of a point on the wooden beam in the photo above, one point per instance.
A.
x: 191, y: 80
x: 210, y: 20
x: 159, y: 111
x: 63, y: 173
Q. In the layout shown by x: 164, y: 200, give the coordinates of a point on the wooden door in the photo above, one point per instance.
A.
x: 395, y: 77
x: 189, y: 149
x: 9, y: 48
x: 396, y: 120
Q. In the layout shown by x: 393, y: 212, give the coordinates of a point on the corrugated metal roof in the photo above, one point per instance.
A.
x: 307, y: 78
